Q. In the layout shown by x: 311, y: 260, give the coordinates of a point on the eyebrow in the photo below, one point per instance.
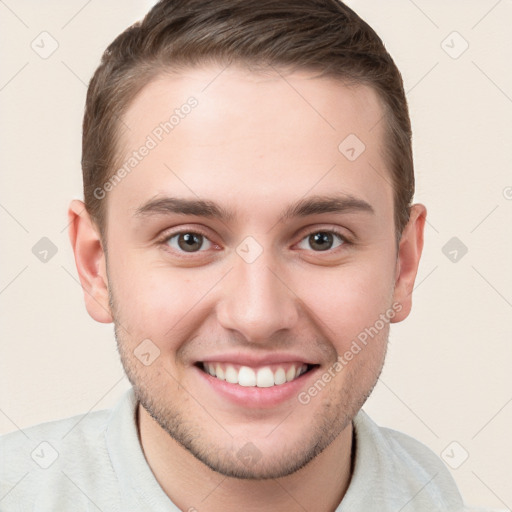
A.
x: 312, y: 205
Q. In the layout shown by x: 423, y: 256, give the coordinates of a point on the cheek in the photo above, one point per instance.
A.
x: 157, y: 301
x: 349, y: 299
x: 157, y: 296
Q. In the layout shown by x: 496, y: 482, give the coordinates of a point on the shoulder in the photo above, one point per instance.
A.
x: 49, y: 457
x: 57, y: 433
x: 401, y: 470
x: 411, y: 454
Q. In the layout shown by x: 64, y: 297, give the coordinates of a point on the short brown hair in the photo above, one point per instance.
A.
x: 318, y: 35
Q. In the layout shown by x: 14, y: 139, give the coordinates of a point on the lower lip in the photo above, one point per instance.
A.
x: 255, y: 397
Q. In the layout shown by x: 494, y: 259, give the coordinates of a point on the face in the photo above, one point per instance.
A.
x: 250, y: 249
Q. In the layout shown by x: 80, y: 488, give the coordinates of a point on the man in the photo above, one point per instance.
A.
x: 248, y: 228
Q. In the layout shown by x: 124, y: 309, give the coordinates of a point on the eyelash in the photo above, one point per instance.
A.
x: 164, y: 240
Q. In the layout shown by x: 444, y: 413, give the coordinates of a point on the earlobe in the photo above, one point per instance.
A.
x: 90, y: 261
x: 409, y: 254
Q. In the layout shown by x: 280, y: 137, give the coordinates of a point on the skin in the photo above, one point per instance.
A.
x: 255, y: 144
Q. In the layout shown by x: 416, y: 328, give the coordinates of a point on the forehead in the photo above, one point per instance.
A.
x: 232, y: 134
x: 228, y: 96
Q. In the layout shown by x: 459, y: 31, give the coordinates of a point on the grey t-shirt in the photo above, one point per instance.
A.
x: 95, y: 462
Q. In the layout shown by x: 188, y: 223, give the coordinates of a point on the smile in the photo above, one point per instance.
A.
x: 262, y: 377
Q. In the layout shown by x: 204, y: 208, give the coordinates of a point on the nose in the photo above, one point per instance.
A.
x: 257, y: 301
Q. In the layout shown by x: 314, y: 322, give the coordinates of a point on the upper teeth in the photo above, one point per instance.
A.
x: 263, y: 377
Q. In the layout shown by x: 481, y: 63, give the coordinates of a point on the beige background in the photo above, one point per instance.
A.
x: 447, y: 377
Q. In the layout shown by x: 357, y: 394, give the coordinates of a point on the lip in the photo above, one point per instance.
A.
x: 255, y: 397
x: 255, y: 361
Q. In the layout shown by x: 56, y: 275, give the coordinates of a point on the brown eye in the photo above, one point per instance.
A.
x: 187, y: 241
x: 323, y: 240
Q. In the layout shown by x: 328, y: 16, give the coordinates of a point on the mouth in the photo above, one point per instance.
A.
x: 271, y: 375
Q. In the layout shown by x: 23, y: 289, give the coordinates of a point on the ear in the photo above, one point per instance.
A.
x: 90, y: 261
x: 409, y: 253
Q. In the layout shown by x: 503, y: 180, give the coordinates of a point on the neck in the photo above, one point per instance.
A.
x: 192, y: 486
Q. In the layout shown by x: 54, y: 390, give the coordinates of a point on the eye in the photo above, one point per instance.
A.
x: 188, y: 241
x: 323, y: 240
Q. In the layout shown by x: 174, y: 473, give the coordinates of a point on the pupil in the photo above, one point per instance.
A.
x: 189, y: 242
x: 322, y: 241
